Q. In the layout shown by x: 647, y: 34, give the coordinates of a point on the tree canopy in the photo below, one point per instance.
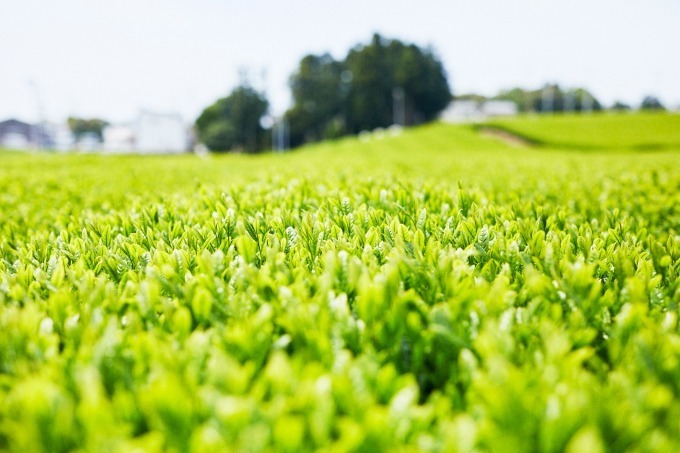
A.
x: 233, y: 123
x: 81, y: 126
x: 551, y: 98
x: 651, y: 103
x: 378, y: 84
x: 408, y: 84
x: 319, y: 90
x: 620, y: 106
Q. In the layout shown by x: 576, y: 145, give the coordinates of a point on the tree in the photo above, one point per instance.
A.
x: 551, y: 98
x: 620, y: 106
x: 391, y: 79
x: 651, y: 103
x: 478, y: 98
x: 233, y: 123
x: 522, y: 98
x: 319, y: 89
x: 378, y: 84
x: 81, y: 126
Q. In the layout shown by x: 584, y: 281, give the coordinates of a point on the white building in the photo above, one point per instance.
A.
x: 499, y: 108
x: 472, y: 111
x: 160, y: 133
x: 62, y: 137
x: 151, y: 133
x: 119, y: 139
x: 462, y: 111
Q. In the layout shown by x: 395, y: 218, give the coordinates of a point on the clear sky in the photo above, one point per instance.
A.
x: 110, y: 59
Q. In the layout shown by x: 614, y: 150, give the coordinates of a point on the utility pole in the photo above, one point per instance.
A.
x: 586, y: 102
x: 398, y: 106
x: 41, y: 113
x: 548, y: 98
x: 243, y: 76
x: 569, y: 100
x: 280, y: 134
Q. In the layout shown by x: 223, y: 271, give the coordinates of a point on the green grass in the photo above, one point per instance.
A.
x: 600, y: 131
x: 434, y: 291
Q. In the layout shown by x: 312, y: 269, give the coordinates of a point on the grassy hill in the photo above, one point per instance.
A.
x: 453, y: 152
x: 436, y: 290
x: 600, y: 131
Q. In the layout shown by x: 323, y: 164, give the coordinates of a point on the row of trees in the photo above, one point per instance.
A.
x: 383, y: 83
x: 376, y: 85
x: 379, y: 84
x: 234, y: 122
x: 553, y: 98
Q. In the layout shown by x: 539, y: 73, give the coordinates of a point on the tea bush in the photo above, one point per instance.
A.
x: 434, y: 292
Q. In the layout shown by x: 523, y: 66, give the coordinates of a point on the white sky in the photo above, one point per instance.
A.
x: 110, y: 59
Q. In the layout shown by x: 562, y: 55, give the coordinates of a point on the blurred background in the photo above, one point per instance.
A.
x: 174, y: 75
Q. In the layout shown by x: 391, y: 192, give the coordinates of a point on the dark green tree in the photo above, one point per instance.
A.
x: 319, y: 88
x: 378, y: 84
x: 233, y: 123
x: 651, y: 103
x: 370, y: 95
x: 82, y: 126
x: 619, y: 106
x: 394, y: 82
x: 551, y: 98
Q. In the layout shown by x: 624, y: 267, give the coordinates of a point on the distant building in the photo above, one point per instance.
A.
x: 462, y: 111
x: 119, y: 139
x: 61, y: 136
x: 16, y: 134
x: 160, y: 133
x: 471, y: 111
x: 89, y: 141
x: 499, y: 108
x: 151, y: 133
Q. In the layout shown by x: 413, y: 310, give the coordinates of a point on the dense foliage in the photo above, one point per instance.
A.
x: 651, y: 103
x: 319, y: 89
x: 233, y: 123
x: 435, y: 291
x: 394, y: 83
x: 83, y: 126
x: 381, y: 83
x: 551, y: 98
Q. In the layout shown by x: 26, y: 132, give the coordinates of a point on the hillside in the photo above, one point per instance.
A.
x: 598, y: 131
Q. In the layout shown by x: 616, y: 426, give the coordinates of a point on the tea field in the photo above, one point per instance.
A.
x: 434, y: 290
x: 642, y: 131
